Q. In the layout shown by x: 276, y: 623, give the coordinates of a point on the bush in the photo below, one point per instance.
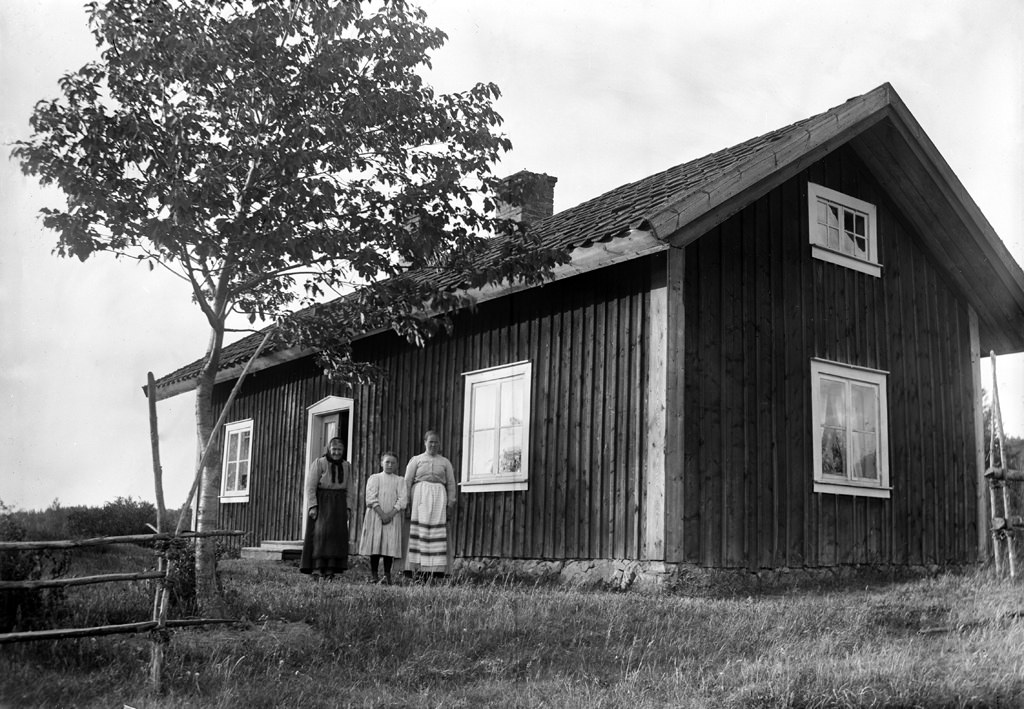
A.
x: 122, y: 517
x: 45, y: 525
x: 181, y: 577
x: 25, y: 609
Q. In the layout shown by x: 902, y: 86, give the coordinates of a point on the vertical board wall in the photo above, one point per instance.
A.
x: 758, y: 308
x: 585, y: 337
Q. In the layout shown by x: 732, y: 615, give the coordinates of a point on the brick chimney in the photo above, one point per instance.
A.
x: 527, y: 197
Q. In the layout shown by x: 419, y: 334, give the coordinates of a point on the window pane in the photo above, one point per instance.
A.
x: 847, y: 220
x: 512, y: 401
x: 833, y: 215
x: 484, y: 401
x: 833, y: 452
x: 864, y: 459
x: 232, y: 447
x: 833, y: 403
x: 822, y: 219
x: 860, y: 225
x: 243, y: 445
x: 833, y: 239
x: 865, y: 408
x: 849, y: 247
x: 482, y: 460
x: 510, y: 460
x: 230, y: 477
x: 243, y: 476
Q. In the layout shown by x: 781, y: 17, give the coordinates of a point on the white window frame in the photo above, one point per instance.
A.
x: 848, y: 485
x: 495, y: 482
x: 232, y: 429
x: 870, y: 265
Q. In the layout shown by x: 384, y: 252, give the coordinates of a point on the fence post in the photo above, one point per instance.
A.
x: 158, y: 636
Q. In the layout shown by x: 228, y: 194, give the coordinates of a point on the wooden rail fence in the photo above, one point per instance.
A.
x: 1005, y: 526
x: 159, y: 623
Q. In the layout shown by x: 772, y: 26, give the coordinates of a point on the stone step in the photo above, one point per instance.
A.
x: 281, y: 544
x: 261, y: 554
x: 274, y: 549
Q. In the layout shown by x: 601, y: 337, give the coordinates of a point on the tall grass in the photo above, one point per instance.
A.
x: 946, y: 641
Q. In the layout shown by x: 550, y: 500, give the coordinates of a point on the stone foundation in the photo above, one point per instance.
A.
x: 686, y: 579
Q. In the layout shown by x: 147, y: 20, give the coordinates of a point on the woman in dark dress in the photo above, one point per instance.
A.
x: 330, y: 491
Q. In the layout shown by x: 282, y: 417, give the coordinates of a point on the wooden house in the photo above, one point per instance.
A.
x: 764, y: 358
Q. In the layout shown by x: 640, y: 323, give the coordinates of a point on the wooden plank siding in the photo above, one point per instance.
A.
x: 588, y: 443
x: 759, y: 307
x: 279, y: 447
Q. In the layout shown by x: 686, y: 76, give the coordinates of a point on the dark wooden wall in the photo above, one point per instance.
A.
x: 758, y: 308
x: 276, y: 399
x: 585, y: 338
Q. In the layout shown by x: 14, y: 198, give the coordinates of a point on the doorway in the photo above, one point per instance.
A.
x: 331, y: 417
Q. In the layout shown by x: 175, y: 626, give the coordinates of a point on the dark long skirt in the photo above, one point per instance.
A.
x: 325, y: 547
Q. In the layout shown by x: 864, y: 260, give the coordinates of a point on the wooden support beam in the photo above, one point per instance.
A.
x: 657, y: 357
x: 675, y: 385
x: 983, y: 513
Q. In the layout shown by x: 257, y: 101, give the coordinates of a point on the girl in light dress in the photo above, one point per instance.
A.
x: 386, y: 497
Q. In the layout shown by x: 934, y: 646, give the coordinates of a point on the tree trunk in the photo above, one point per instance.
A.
x: 208, y: 595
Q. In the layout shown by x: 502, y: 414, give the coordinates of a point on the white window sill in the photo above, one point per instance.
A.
x: 231, y: 499
x: 840, y: 259
x: 852, y: 489
x: 496, y: 486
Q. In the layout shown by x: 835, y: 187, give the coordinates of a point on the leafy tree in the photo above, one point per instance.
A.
x: 273, y: 152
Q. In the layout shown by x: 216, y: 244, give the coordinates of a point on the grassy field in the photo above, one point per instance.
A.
x: 946, y: 641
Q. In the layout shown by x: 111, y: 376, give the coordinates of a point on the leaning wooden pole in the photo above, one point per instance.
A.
x: 216, y: 430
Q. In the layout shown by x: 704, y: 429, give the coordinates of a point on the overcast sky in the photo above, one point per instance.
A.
x: 596, y: 93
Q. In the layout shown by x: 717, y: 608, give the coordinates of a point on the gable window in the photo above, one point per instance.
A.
x: 843, y: 229
x: 851, y: 447
x: 234, y: 478
x: 496, y: 429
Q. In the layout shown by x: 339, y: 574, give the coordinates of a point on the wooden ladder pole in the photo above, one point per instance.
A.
x: 997, y: 423
x: 994, y: 482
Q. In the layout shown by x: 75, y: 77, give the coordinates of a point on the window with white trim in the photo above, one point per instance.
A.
x: 851, y: 446
x: 234, y: 478
x: 496, y: 429
x: 843, y: 229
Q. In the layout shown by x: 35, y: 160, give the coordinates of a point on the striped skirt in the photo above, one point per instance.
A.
x: 428, y: 532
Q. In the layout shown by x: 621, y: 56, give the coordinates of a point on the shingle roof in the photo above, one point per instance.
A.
x: 681, y: 197
x: 605, y: 217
